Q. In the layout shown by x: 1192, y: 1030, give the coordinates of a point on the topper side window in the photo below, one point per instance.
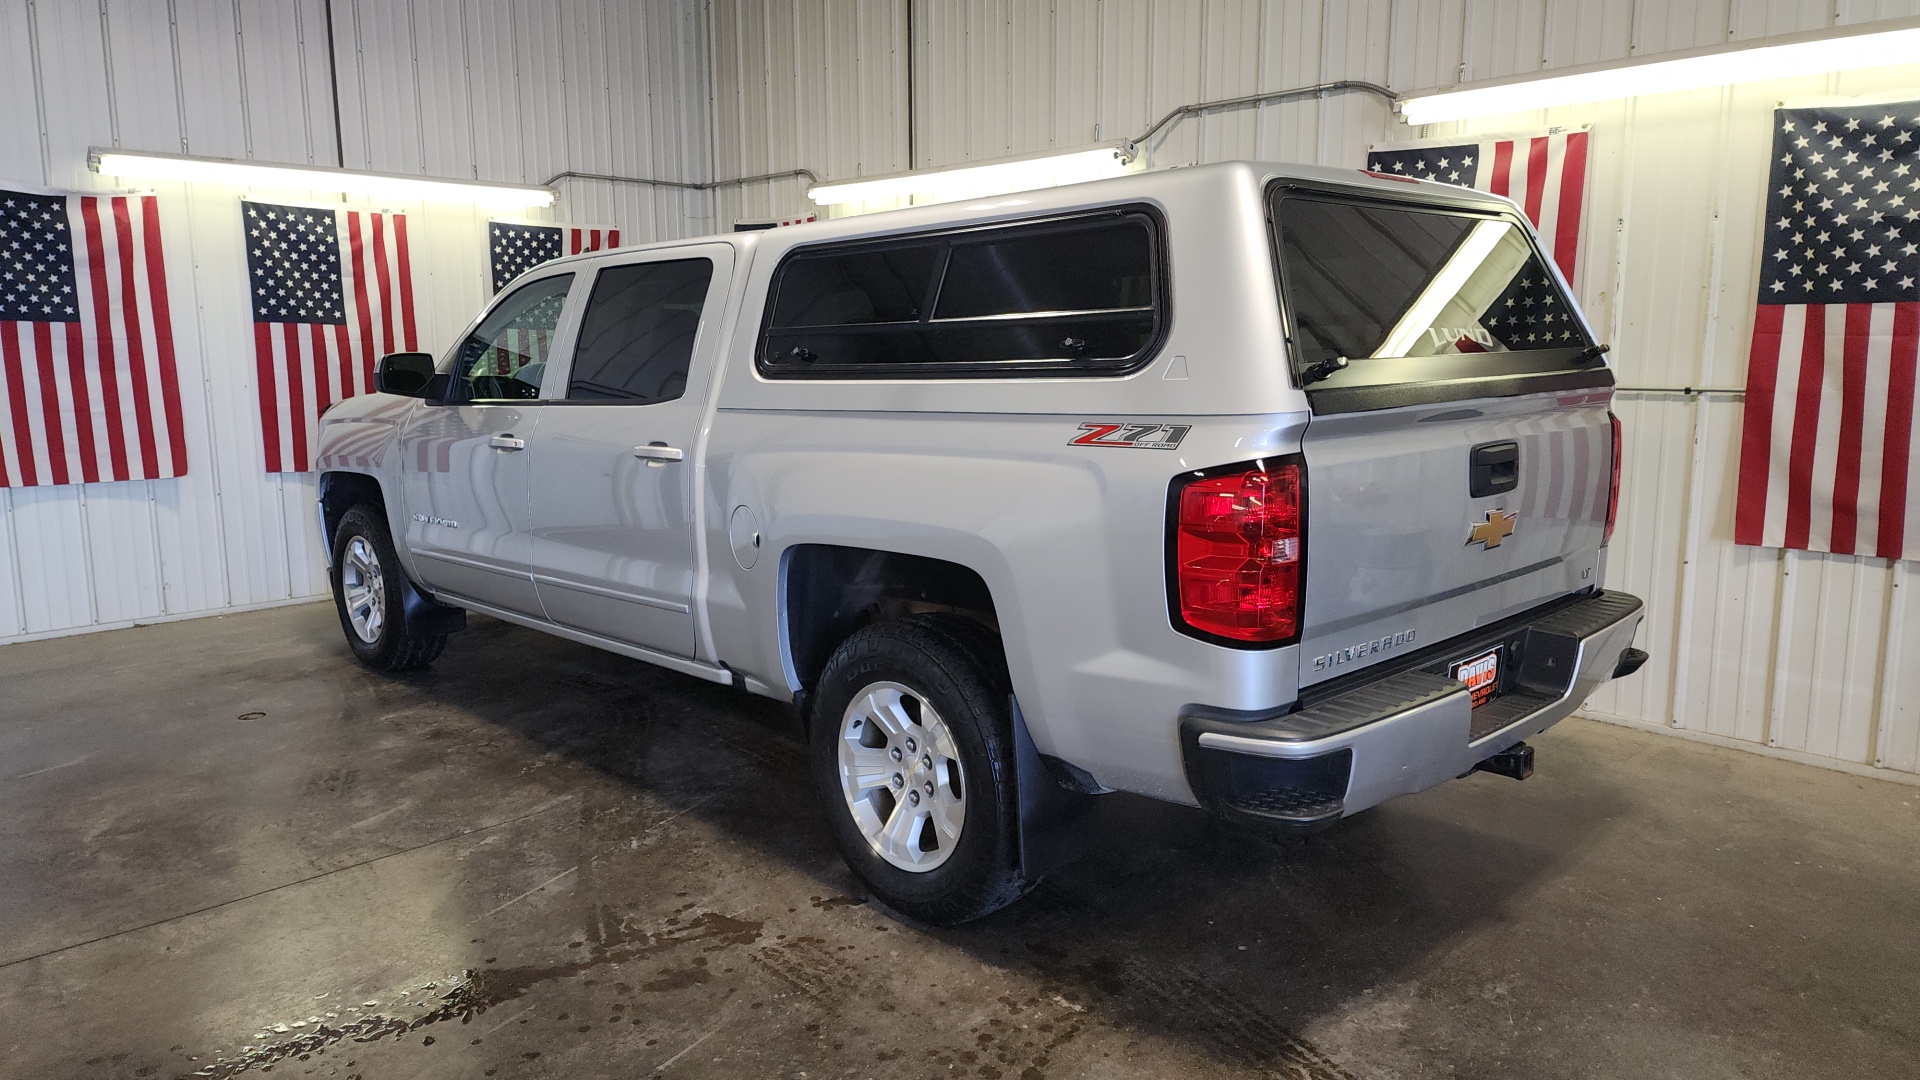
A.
x: 1080, y: 295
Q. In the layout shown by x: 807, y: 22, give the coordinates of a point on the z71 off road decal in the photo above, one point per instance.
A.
x: 1136, y: 436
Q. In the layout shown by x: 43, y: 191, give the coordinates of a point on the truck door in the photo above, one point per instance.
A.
x: 463, y: 463
x: 1459, y: 454
x: 612, y: 462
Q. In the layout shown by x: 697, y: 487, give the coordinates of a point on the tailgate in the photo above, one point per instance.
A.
x: 1401, y: 555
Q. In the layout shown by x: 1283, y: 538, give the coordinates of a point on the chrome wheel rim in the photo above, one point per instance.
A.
x: 363, y: 589
x: 901, y: 776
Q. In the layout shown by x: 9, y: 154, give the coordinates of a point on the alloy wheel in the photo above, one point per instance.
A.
x: 364, y: 589
x: 901, y: 775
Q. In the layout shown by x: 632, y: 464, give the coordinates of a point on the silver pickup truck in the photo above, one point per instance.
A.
x: 1277, y: 490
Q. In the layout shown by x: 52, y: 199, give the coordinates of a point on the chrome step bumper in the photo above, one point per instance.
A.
x: 1411, y: 729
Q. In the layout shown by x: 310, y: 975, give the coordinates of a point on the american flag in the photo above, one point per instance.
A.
x: 332, y: 292
x: 1545, y: 174
x: 518, y: 246
x: 88, y: 389
x: 1827, y: 447
x: 1529, y: 314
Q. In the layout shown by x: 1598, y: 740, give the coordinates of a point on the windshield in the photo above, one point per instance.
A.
x: 1370, y: 282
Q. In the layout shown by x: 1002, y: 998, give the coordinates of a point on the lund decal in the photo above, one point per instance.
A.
x: 1136, y: 436
x: 1497, y: 527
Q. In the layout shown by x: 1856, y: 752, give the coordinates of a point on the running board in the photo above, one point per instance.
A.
x: 711, y: 673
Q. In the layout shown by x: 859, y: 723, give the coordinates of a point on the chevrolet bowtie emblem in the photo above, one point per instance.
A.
x: 1490, y: 532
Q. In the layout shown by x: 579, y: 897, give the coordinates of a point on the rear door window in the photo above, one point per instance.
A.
x: 1078, y: 295
x: 1411, y: 294
x: 636, y: 338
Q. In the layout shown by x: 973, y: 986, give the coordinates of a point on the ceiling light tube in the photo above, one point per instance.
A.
x: 143, y: 165
x: 983, y: 179
x: 1869, y: 45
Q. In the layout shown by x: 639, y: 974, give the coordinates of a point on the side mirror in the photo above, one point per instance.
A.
x: 403, y: 373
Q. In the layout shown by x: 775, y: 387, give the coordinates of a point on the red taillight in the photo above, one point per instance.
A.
x: 1613, y: 484
x: 1236, y: 558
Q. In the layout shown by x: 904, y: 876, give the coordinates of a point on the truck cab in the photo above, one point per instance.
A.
x: 1272, y: 489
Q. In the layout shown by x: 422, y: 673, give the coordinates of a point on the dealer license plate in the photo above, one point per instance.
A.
x: 1481, y: 674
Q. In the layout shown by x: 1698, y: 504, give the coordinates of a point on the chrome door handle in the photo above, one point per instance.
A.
x: 659, y: 452
x: 507, y: 442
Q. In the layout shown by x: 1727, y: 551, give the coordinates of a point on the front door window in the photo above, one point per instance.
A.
x: 505, y: 358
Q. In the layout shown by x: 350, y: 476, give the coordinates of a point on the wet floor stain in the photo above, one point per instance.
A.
x: 680, y: 978
x: 1074, y: 1005
x: 478, y: 990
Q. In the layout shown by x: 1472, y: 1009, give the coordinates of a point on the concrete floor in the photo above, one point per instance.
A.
x: 223, y: 846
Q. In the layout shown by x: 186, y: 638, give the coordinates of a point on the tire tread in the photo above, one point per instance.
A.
x: 401, y: 648
x: 969, y: 657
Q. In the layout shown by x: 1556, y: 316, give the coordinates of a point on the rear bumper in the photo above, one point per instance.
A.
x: 1368, y: 739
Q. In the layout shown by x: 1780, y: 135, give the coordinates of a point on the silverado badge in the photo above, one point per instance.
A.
x: 1497, y: 527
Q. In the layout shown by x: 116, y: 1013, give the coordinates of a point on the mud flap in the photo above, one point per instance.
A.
x: 430, y: 617
x: 1054, y: 820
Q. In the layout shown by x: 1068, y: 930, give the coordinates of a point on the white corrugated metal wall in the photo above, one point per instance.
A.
x: 1813, y: 656
x: 486, y: 89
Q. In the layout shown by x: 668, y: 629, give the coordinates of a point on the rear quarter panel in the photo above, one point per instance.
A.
x: 1071, y: 541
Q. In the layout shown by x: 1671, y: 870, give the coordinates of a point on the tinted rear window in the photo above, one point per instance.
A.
x: 1083, y: 294
x: 636, y: 338
x: 1378, y: 284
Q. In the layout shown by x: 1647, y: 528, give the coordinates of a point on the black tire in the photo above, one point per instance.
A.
x: 390, y: 645
x: 958, y: 668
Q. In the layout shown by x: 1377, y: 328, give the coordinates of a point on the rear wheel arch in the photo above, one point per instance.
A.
x: 829, y: 591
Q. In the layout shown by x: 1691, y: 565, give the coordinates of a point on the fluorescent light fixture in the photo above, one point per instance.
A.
x: 141, y: 165
x: 985, y: 179
x: 1868, y: 45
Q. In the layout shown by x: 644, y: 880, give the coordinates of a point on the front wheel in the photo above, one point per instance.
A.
x: 369, y: 589
x: 913, y: 758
